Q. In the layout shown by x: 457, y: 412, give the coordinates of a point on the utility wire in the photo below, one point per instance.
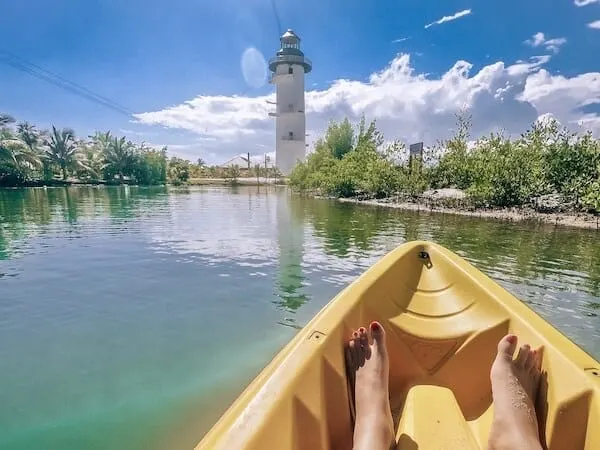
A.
x: 276, y: 14
x: 30, y: 68
x: 61, y: 82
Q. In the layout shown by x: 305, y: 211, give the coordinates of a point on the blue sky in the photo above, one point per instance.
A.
x: 153, y: 56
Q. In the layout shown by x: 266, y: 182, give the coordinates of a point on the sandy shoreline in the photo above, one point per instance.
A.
x: 581, y: 220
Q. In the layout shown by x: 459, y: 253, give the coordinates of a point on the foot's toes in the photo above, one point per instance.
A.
x: 359, y: 350
x: 534, y: 370
x: 536, y: 365
x: 350, y: 353
x: 507, y: 346
x: 530, y: 363
x: 539, y: 356
x: 363, y: 337
x: 377, y: 333
x: 523, y: 355
x: 364, y: 342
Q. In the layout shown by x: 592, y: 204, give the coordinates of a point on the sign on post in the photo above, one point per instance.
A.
x: 416, y: 149
x: 415, y: 152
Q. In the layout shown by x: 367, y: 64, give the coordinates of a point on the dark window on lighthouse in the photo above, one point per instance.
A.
x: 290, y: 70
x: 291, y: 136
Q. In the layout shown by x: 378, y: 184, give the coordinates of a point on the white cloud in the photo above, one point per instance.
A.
x: 546, y: 118
x: 445, y: 19
x: 564, y: 97
x: 536, y: 40
x: 595, y: 25
x: 523, y: 68
x: 407, y: 105
x: 216, y: 116
x: 554, y: 45
x: 551, y: 45
x: 585, y: 2
x: 138, y: 134
x: 397, y: 41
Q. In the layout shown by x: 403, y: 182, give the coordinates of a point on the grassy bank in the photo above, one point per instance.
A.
x: 547, y: 170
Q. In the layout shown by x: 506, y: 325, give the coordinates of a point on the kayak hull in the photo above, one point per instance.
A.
x: 444, y: 319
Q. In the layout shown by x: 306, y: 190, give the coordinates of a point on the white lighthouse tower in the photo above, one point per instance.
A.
x: 289, y: 67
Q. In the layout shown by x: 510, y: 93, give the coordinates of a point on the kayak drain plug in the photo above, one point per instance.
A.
x: 316, y: 335
x: 594, y: 371
x: 424, y: 256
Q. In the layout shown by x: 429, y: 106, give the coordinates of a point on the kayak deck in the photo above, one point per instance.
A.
x: 444, y: 319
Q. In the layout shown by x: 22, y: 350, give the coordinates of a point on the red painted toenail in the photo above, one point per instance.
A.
x: 375, y: 326
x: 355, y: 335
x: 362, y: 330
x: 512, y: 339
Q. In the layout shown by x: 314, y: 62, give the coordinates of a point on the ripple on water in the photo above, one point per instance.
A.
x: 108, y: 296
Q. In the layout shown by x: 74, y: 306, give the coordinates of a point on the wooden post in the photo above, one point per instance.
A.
x: 266, y: 169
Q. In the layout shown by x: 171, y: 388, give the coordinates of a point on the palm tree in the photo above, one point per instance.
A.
x: 92, y: 158
x: 62, y: 151
x: 7, y: 140
x: 5, y: 120
x: 15, y: 152
x: 7, y: 143
x: 29, y: 135
x: 101, y: 140
x: 119, y: 156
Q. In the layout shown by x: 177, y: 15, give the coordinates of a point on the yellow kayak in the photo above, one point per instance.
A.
x: 444, y: 319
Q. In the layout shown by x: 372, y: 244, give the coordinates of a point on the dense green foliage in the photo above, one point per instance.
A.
x: 335, y: 169
x: 150, y: 167
x: 179, y: 170
x: 30, y: 155
x: 232, y: 174
x: 61, y: 151
x: 494, y: 171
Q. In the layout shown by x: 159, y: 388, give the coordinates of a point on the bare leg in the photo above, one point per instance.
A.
x: 514, y: 388
x: 368, y: 366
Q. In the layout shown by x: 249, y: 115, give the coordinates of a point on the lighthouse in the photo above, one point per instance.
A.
x: 288, y: 68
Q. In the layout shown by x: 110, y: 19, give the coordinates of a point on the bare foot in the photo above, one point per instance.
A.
x: 368, y: 368
x: 514, y: 388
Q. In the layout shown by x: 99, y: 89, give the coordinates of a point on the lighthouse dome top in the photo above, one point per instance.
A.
x: 290, y: 53
x: 289, y: 37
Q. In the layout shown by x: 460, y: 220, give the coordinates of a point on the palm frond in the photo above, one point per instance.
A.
x: 6, y: 154
x: 6, y: 119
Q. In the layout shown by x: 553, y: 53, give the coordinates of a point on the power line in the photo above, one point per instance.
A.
x: 67, y: 87
x: 61, y: 82
x: 30, y: 68
x: 276, y: 14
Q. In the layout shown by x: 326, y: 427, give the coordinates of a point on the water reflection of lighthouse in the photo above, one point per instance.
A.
x: 290, y: 242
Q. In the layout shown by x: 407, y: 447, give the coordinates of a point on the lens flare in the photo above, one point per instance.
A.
x: 254, y: 67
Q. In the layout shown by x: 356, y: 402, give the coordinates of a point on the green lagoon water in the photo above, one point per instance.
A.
x: 131, y: 317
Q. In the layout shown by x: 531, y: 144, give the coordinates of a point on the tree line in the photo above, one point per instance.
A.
x: 29, y: 156
x: 493, y: 171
